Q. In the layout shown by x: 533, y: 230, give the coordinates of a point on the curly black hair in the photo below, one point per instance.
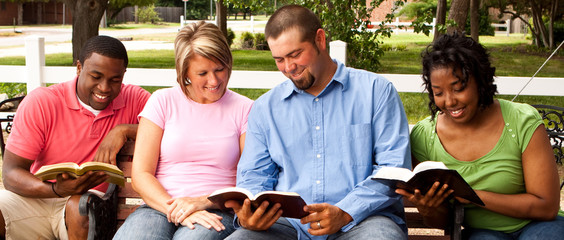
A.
x: 459, y: 52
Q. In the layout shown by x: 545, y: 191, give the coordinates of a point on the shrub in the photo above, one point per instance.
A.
x: 148, y: 14
x: 13, y: 89
x: 386, y: 47
x: 260, y: 42
x: 247, y: 40
x: 401, y: 47
x: 230, y: 36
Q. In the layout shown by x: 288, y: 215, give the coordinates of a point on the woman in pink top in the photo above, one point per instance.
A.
x: 188, y: 144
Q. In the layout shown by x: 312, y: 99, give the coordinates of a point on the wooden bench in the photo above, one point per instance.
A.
x: 129, y: 200
x: 553, y: 117
x: 9, y: 117
x: 108, y: 213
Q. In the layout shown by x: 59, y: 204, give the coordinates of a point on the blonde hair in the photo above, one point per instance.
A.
x: 204, y: 39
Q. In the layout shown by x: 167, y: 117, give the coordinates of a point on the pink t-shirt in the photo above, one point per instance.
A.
x: 51, y: 126
x: 200, y: 144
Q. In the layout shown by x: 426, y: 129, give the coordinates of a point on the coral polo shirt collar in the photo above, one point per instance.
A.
x: 71, y: 99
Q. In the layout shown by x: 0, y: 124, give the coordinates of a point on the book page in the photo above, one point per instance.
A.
x: 233, y: 189
x: 277, y: 193
x: 396, y: 173
x: 99, y: 166
x: 429, y: 165
x: 71, y: 166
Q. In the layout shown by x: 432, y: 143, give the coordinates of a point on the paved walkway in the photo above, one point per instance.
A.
x: 58, y: 39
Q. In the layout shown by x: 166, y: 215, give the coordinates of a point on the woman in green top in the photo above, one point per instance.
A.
x: 500, y: 148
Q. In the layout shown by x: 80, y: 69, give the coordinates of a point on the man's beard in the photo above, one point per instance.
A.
x: 304, y: 83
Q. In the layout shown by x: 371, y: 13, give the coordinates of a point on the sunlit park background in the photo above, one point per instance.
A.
x: 511, y: 55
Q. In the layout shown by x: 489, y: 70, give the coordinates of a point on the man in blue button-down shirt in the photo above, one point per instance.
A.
x: 322, y: 134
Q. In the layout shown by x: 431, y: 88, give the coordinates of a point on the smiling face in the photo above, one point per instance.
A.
x: 99, y: 80
x: 457, y: 102
x: 208, y: 79
x: 297, y: 60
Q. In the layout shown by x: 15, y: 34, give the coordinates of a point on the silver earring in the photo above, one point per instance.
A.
x: 187, y: 81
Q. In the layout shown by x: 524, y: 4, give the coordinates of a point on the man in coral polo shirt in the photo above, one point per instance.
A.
x: 86, y: 119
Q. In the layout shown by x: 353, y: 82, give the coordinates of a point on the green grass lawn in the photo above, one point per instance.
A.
x: 512, y: 56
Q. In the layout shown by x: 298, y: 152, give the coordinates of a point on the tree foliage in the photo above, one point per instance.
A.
x: 422, y: 12
x: 251, y: 6
x: 543, y: 13
x: 198, y: 9
x: 148, y: 14
x: 115, y: 6
x: 419, y: 9
x: 86, y: 16
x: 485, y: 23
x: 347, y: 20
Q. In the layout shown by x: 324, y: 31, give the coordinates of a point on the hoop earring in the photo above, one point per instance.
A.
x: 187, y: 81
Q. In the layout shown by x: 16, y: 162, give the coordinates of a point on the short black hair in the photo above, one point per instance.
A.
x: 105, y: 46
x: 460, y: 52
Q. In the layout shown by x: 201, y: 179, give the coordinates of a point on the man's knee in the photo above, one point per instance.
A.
x: 74, y: 221
x: 375, y: 227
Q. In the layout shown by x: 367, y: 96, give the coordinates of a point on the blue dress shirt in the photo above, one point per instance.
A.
x: 326, y: 147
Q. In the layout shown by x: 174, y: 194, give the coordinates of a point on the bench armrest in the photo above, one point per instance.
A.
x: 101, y: 212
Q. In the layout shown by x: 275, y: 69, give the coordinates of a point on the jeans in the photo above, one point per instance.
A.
x: 148, y: 223
x: 374, y: 227
x: 541, y: 230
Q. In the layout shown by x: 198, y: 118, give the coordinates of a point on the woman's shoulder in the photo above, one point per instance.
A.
x: 235, y: 97
x: 167, y: 93
x: 424, y: 127
x: 427, y: 123
x: 517, y: 110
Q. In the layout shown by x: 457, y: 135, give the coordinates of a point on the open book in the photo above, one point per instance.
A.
x: 49, y: 172
x: 292, y: 204
x: 424, y: 176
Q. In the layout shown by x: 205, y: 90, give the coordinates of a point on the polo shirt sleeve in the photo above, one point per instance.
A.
x: 136, y: 98
x: 29, y: 129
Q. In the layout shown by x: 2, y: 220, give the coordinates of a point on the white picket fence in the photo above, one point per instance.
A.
x: 398, y: 26
x: 35, y: 74
x: 251, y: 25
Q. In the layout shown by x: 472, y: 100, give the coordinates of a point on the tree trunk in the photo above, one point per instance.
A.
x: 552, y: 14
x: 539, y: 25
x: 221, y: 16
x: 86, y: 15
x: 440, y: 18
x: 39, y: 13
x: 475, y: 20
x: 20, y: 14
x: 55, y: 8
x: 136, y: 14
x: 458, y: 13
